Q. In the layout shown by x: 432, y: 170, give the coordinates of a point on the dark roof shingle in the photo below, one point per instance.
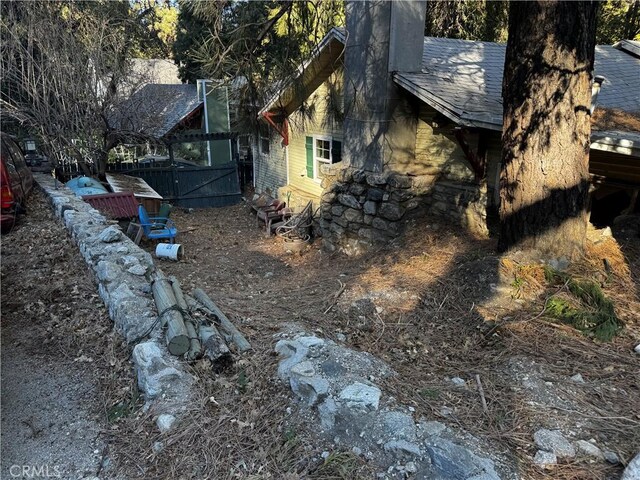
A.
x: 463, y: 80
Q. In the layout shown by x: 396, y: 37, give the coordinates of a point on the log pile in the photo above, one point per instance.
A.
x: 195, y: 326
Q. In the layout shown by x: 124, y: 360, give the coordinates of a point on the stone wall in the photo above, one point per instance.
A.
x: 123, y: 274
x: 360, y: 209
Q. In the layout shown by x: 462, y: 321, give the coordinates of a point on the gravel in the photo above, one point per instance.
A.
x: 52, y: 410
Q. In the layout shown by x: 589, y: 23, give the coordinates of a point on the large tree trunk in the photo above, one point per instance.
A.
x: 544, y: 180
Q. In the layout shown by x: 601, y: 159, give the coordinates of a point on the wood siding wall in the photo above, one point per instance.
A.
x: 270, y: 170
x: 438, y: 152
x: 317, y: 122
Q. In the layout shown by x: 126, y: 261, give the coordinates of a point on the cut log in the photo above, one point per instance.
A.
x: 177, y: 336
x: 195, y: 348
x: 177, y: 292
x: 195, y: 305
x: 215, y: 347
x: 238, y: 339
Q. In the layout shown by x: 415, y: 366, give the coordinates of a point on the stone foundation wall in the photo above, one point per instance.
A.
x: 360, y: 209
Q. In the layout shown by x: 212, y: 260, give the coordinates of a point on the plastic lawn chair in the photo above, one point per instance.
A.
x: 156, y: 228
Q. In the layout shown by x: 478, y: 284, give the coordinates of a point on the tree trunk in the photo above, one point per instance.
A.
x: 544, y: 178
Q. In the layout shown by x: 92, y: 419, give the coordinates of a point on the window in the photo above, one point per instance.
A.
x: 265, y: 140
x: 321, y: 155
x: 321, y: 151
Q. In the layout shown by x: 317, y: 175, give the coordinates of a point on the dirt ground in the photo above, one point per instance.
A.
x: 427, y: 304
x: 60, y: 358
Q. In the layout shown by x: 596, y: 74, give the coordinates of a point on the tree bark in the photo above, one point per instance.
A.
x: 178, y: 341
x: 544, y: 178
x: 238, y: 339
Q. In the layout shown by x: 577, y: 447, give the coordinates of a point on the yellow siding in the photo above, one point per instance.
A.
x: 438, y: 152
x: 316, y: 122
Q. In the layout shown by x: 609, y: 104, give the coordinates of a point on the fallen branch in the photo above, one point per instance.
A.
x: 336, y: 296
x: 481, y: 391
x: 238, y: 339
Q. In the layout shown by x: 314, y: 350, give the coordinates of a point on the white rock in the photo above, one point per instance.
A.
x: 637, y: 349
x: 632, y: 472
x: 360, y: 395
x: 458, y: 382
x: 545, y: 459
x: 155, y: 373
x: 410, y: 467
x: 325, y: 454
x: 554, y: 441
x: 589, y: 449
x: 303, y: 369
x: 294, y: 353
x: 310, y: 341
x: 445, y: 411
x: 433, y: 428
x: 310, y: 389
x: 577, y: 378
x: 327, y: 411
x: 164, y: 422
x: 110, y: 234
x: 139, y: 270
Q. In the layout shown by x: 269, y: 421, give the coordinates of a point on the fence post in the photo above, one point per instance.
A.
x: 174, y: 174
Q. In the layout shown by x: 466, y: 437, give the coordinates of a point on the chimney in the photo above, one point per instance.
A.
x: 382, y: 37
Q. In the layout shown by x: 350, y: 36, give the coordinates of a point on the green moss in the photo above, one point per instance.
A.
x: 593, y: 314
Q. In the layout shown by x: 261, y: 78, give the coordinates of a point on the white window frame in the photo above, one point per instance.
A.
x: 316, y: 159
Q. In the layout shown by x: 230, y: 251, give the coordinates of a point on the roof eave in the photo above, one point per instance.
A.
x: 442, y: 106
x: 334, y: 35
x: 615, y: 141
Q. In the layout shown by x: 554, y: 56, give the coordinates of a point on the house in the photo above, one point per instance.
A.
x: 305, y: 114
x: 421, y: 126
x: 157, y: 111
x: 149, y: 70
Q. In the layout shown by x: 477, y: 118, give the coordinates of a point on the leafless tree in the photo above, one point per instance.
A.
x: 62, y: 66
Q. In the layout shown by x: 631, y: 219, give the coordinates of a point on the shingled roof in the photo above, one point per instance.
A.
x: 463, y: 80
x: 156, y: 109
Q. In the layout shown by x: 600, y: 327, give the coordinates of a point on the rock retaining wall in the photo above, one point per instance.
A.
x: 338, y: 391
x: 359, y: 209
x: 123, y: 273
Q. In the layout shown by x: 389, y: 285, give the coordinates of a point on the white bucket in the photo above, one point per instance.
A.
x: 172, y: 251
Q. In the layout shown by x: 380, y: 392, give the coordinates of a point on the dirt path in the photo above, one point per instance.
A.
x: 54, y: 329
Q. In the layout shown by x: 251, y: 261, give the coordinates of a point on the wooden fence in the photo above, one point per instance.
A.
x: 187, y: 185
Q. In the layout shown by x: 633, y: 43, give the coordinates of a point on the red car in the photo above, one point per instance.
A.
x: 16, y: 182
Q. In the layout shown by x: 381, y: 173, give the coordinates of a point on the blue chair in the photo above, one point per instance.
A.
x: 156, y: 228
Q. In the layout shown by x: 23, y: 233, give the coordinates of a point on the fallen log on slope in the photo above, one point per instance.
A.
x: 238, y: 339
x: 169, y: 312
x: 215, y: 347
x: 195, y: 347
x: 213, y: 341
